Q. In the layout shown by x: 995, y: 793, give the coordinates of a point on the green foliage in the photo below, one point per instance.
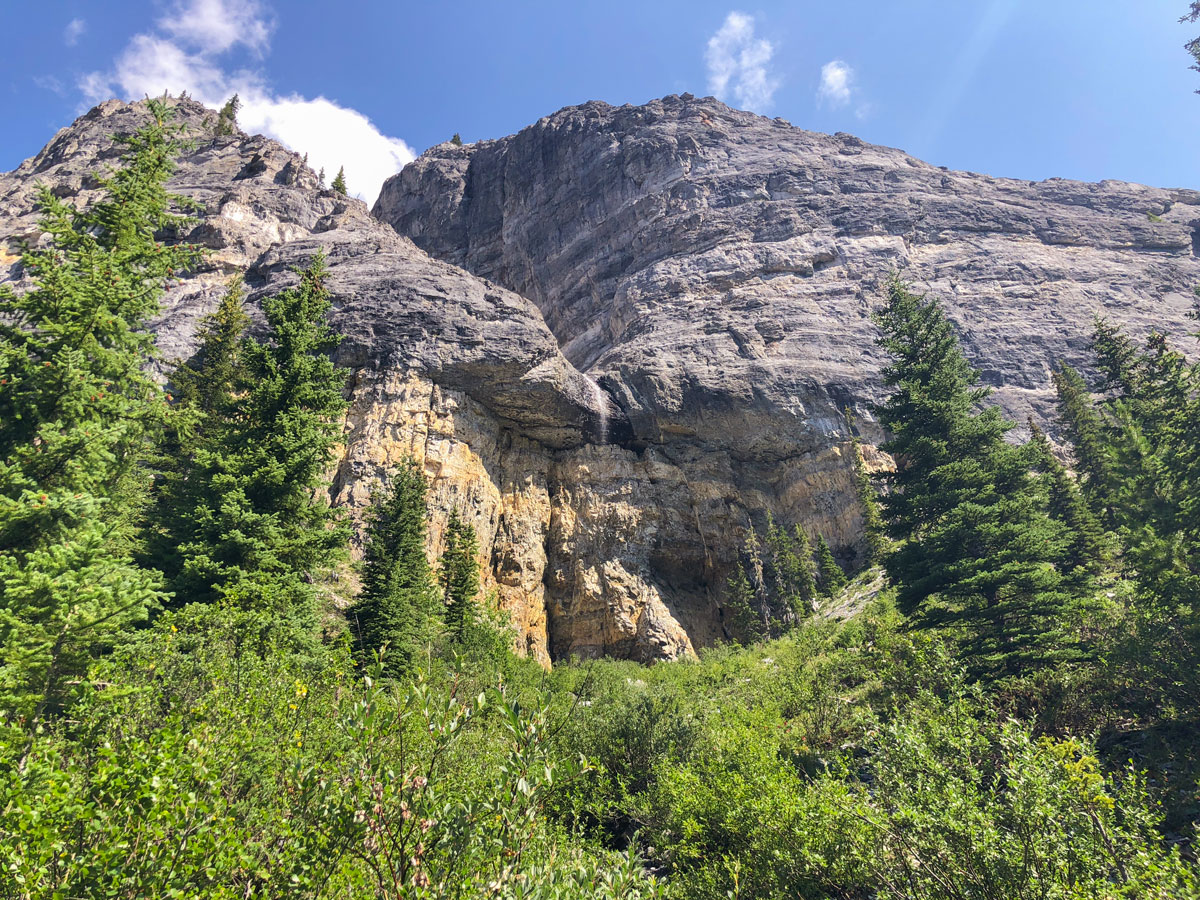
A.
x: 254, y: 522
x: 741, y: 615
x: 979, y: 552
x: 1085, y: 552
x: 829, y: 571
x: 201, y: 767
x: 1086, y: 432
x: 791, y: 572
x: 458, y: 573
x: 217, y: 374
x: 959, y: 807
x: 398, y: 607
x: 339, y: 182
x: 456, y: 140
x: 874, y: 533
x: 77, y: 418
x: 1143, y: 429
x: 1193, y: 46
x: 226, y: 123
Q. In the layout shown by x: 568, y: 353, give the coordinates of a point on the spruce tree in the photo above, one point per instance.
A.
x: 1087, y: 433
x: 831, y: 576
x: 227, y: 117
x: 339, y: 182
x: 256, y: 516
x: 398, y: 605
x: 204, y: 395
x: 791, y: 572
x: 78, y: 416
x: 217, y: 373
x: 978, y: 548
x: 458, y: 573
x: 740, y: 604
x: 1084, y: 551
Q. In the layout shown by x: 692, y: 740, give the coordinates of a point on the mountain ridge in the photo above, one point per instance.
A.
x: 619, y: 355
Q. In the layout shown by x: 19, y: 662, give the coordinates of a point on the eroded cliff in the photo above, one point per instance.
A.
x: 625, y: 335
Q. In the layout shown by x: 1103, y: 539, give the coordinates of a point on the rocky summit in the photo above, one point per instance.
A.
x: 624, y: 336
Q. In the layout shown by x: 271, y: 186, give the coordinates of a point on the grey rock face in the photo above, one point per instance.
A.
x: 715, y: 269
x: 263, y: 213
x: 642, y: 327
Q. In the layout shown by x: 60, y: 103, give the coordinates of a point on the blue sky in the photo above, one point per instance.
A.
x: 1025, y: 88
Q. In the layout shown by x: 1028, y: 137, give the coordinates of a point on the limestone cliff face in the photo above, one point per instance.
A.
x: 715, y: 270
x: 621, y: 337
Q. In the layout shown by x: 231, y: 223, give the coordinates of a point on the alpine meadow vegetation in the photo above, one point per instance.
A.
x: 194, y: 704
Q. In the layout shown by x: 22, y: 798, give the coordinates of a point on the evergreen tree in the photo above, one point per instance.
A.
x: 398, y: 604
x: 1084, y: 554
x: 978, y: 548
x: 1117, y: 359
x: 227, y: 118
x: 873, y: 529
x: 456, y: 140
x: 339, y: 182
x: 255, y: 517
x: 458, y: 573
x: 791, y: 571
x: 830, y: 574
x: 217, y: 373
x: 1087, y: 433
x: 740, y: 605
x: 78, y: 416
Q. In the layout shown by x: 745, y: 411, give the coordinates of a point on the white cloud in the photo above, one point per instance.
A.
x: 74, y: 30
x: 331, y: 135
x: 49, y: 83
x: 739, y: 64
x: 837, y: 83
x: 214, y: 26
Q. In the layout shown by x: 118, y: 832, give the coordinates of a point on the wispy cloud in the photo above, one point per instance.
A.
x: 839, y: 88
x: 49, y: 83
x: 74, y: 31
x: 214, y: 26
x: 837, y: 83
x: 185, y: 52
x: 739, y: 64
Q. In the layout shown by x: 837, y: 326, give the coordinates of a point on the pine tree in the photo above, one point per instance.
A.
x: 217, y: 373
x: 227, y: 118
x: 791, y: 572
x: 1084, y: 554
x: 458, y: 573
x: 1087, y: 433
x: 398, y: 606
x: 78, y: 415
x: 978, y: 548
x: 456, y: 140
x: 204, y: 393
x: 256, y: 517
x: 339, y: 182
x: 830, y: 574
x: 740, y: 602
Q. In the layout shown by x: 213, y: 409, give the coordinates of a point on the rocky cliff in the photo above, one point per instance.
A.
x: 622, y: 336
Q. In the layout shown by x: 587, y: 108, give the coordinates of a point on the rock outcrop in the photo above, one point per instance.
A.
x: 623, y: 336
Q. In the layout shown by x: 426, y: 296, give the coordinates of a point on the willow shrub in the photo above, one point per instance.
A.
x: 201, y: 765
